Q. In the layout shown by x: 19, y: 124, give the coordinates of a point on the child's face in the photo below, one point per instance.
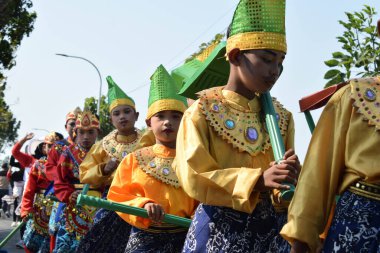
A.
x: 260, y: 69
x: 46, y: 148
x: 123, y: 118
x: 165, y: 126
x: 70, y: 124
x: 86, y: 138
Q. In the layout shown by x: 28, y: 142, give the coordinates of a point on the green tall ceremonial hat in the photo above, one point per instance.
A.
x: 117, y: 96
x: 188, y: 69
x: 214, y: 71
x: 185, y: 71
x: 163, y: 94
x: 258, y: 24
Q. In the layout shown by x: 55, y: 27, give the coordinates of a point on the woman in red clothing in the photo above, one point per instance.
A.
x: 19, y: 178
x: 24, y: 159
x: 35, y: 205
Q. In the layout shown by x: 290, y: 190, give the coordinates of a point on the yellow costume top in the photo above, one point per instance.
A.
x: 343, y: 150
x: 223, y: 148
x: 146, y: 175
x: 113, y: 145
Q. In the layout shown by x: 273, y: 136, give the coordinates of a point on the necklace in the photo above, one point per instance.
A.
x: 118, y: 149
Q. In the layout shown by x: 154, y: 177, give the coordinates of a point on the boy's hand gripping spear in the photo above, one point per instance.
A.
x: 117, y: 207
x: 275, y: 138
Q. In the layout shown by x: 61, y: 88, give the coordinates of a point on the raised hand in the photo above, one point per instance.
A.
x: 29, y: 136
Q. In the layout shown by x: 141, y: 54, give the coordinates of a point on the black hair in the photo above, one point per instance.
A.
x: 38, y: 152
x: 5, y: 166
x: 59, y: 136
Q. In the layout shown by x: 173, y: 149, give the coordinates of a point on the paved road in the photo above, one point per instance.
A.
x: 5, y: 229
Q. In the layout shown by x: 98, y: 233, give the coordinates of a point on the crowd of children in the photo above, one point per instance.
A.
x: 212, y: 163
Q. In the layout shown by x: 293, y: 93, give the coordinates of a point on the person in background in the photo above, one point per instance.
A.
x: 224, y: 154
x: 38, y: 153
x: 75, y: 220
x: 51, y: 171
x: 17, y: 178
x: 146, y: 178
x: 4, y: 189
x: 342, y: 159
x: 110, y: 233
x: 24, y: 160
x: 36, y: 207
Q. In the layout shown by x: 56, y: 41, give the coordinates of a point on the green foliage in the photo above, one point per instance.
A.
x: 218, y: 37
x: 16, y: 21
x: 361, y: 48
x: 8, y: 124
x: 105, y: 118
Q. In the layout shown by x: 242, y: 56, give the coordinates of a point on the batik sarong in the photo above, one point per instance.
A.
x: 355, y: 226
x: 222, y: 229
x: 160, y: 242
x: 109, y: 234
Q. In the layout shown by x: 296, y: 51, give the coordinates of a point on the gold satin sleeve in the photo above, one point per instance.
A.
x: 90, y: 170
x: 342, y: 151
x: 206, y: 179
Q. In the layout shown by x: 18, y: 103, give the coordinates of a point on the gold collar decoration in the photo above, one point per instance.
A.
x: 242, y: 128
x: 118, y: 149
x: 158, y: 167
x: 365, y: 93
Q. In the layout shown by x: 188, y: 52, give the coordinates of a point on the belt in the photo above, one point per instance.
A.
x: 80, y: 187
x: 367, y: 190
x: 165, y: 228
x: 91, y: 192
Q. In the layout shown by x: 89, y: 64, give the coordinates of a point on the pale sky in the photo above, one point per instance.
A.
x: 129, y: 39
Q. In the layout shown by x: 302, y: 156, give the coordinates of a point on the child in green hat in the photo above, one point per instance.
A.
x: 224, y: 156
x: 146, y: 179
x: 110, y: 233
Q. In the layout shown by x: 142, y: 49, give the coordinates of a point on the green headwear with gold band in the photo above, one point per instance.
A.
x: 258, y: 24
x: 163, y: 94
x: 117, y: 96
x: 212, y: 72
x: 184, y: 72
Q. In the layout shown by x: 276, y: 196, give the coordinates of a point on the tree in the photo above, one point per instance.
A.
x: 16, y: 21
x: 361, y: 48
x: 8, y: 124
x: 105, y: 118
x: 218, y: 37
